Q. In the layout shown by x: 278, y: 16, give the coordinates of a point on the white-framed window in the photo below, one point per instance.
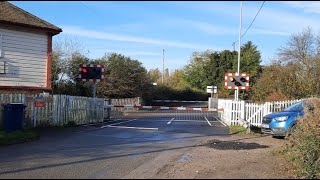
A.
x: 3, y: 67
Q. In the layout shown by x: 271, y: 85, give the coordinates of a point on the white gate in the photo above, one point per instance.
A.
x: 236, y: 111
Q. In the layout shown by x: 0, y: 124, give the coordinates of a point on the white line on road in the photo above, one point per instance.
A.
x: 208, y: 121
x: 118, y: 123
x: 185, y: 120
x: 170, y: 121
x: 128, y: 127
x: 220, y: 121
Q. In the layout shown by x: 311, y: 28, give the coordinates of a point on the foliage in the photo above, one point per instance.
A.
x: 209, y: 68
x: 66, y: 57
x: 195, y: 71
x: 125, y: 78
x: 250, y: 60
x: 303, y: 147
x: 177, y: 80
x: 295, y: 72
x: 276, y: 96
x: 155, y: 75
x: 164, y: 92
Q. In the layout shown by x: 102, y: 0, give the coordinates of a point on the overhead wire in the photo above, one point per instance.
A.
x: 251, y: 22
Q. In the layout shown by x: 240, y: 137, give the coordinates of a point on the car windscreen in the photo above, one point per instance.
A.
x: 295, y: 108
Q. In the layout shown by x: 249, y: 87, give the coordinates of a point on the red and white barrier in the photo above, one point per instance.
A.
x: 163, y: 108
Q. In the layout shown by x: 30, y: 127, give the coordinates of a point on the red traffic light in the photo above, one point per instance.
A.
x: 84, y: 70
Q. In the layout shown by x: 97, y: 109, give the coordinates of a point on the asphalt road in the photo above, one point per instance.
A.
x: 136, y: 146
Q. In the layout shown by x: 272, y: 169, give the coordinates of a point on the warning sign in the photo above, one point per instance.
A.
x: 39, y: 102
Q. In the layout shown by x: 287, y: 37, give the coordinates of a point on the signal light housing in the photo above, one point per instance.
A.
x: 236, y: 81
x: 90, y: 72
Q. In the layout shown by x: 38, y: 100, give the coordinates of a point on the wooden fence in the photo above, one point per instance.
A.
x: 126, y: 101
x: 58, y: 110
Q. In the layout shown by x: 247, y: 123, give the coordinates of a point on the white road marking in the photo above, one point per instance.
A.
x: 220, y: 121
x: 188, y: 120
x: 170, y: 121
x: 128, y: 127
x: 208, y: 121
x: 118, y: 123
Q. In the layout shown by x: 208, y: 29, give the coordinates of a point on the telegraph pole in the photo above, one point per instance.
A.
x: 162, y: 65
x: 237, y: 90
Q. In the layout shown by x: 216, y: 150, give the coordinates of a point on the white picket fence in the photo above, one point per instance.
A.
x: 235, y: 111
x: 59, y: 110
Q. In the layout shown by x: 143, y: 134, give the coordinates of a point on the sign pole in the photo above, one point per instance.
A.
x: 94, y: 89
x: 237, y: 90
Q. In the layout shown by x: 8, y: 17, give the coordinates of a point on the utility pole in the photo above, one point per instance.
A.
x: 237, y: 90
x: 162, y: 65
x: 233, y: 44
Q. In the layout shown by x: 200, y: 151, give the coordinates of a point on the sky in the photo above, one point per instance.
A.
x: 141, y: 29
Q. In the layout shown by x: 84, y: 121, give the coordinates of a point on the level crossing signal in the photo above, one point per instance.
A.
x: 236, y: 81
x: 91, y: 72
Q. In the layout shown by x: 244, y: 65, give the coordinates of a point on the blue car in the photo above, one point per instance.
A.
x: 281, y: 124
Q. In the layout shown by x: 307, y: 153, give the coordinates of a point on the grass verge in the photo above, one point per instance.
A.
x: 237, y: 130
x: 17, y: 137
x: 240, y: 130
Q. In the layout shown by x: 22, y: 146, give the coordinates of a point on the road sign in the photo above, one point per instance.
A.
x: 39, y: 102
x: 211, y: 89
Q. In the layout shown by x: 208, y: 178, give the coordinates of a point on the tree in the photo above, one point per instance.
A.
x: 296, y: 70
x: 126, y: 78
x: 302, y: 49
x: 250, y: 62
x: 155, y: 75
x: 66, y: 54
x: 196, y: 71
x: 177, y: 79
x: 208, y: 68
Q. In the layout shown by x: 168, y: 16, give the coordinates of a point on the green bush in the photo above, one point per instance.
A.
x: 163, y: 92
x: 303, y: 147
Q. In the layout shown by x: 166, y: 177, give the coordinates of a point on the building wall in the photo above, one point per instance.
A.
x: 25, y: 54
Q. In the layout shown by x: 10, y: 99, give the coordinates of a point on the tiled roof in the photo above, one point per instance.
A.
x: 10, y: 13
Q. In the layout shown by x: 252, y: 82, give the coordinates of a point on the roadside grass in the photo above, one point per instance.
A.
x: 17, y: 137
x: 240, y: 130
x: 237, y: 130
